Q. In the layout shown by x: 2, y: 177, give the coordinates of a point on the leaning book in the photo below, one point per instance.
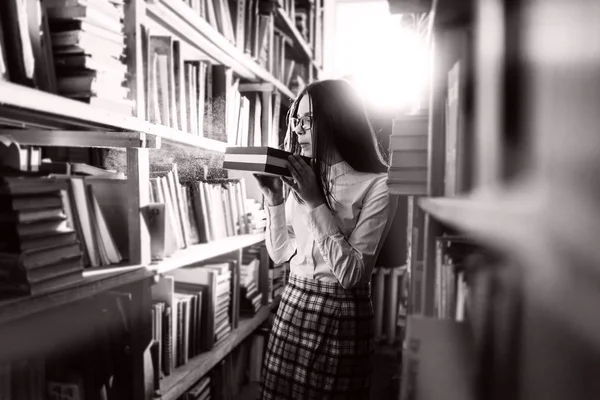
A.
x: 260, y: 160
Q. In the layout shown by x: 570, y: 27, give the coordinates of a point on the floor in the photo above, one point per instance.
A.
x: 385, y: 385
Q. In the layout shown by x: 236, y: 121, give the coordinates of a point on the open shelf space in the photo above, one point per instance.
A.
x: 205, y: 251
x: 185, y: 376
x: 181, y: 21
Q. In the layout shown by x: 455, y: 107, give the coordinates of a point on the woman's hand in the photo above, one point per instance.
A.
x: 304, y: 182
x: 272, y: 188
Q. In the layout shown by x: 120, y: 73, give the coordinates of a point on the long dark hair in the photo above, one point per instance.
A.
x: 340, y: 122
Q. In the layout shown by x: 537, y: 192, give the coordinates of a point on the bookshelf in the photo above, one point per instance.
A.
x: 524, y: 204
x: 205, y: 252
x: 36, y: 117
x: 98, y: 280
x: 21, y: 307
x: 183, y: 377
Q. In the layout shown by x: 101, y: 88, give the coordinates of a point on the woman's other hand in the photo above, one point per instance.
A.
x: 304, y: 182
x: 272, y: 189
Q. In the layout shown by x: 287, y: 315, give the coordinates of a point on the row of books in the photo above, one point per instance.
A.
x: 197, y: 307
x: 227, y: 379
x: 250, y: 26
x: 193, y: 310
x: 278, y: 275
x: 389, y: 292
x: 200, y: 211
x: 205, y: 99
x: 408, y: 170
x: 75, y: 49
x: 79, y: 53
x: 251, y: 297
x: 90, y: 357
x: 452, y: 257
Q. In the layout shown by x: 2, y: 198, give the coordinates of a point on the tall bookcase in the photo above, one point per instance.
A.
x: 36, y: 118
x: 525, y: 74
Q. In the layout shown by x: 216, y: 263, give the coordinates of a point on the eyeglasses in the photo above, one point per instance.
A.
x: 305, y: 122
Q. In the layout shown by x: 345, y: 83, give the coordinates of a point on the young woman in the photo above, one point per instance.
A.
x: 330, y: 228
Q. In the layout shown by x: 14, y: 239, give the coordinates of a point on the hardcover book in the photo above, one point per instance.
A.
x: 261, y: 160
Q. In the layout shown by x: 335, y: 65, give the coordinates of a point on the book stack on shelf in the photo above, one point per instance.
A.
x: 250, y: 297
x: 257, y: 216
x: 39, y: 251
x: 88, y: 44
x: 94, y: 206
x: 197, y: 212
x: 454, y: 254
x: 277, y: 280
x: 84, y: 353
x: 389, y: 303
x: 201, y: 390
x: 408, y: 170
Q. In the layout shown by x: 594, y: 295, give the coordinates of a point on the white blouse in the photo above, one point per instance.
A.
x: 334, y: 246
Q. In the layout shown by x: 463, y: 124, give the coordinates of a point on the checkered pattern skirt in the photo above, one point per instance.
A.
x: 321, y: 344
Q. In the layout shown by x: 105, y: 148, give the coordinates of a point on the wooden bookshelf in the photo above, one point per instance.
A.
x: 20, y: 307
x: 51, y: 120
x: 177, y: 383
x: 98, y: 280
x: 287, y: 26
x: 178, y: 19
x: 533, y: 277
x: 34, y: 117
x: 206, y: 251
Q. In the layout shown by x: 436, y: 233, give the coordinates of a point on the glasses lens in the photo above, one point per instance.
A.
x: 306, y: 122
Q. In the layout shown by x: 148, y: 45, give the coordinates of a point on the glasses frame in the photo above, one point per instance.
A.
x: 306, y: 122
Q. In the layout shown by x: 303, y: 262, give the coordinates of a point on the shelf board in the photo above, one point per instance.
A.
x: 496, y: 216
x: 74, y: 138
x: 185, y: 24
x: 67, y: 122
x: 19, y: 307
x: 185, y: 376
x: 287, y: 26
x: 206, y: 251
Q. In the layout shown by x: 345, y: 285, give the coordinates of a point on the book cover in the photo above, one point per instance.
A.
x: 263, y: 160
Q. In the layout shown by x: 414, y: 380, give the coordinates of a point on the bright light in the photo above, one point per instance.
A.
x: 388, y: 61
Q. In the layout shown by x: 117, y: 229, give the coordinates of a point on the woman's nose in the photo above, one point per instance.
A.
x: 298, y: 130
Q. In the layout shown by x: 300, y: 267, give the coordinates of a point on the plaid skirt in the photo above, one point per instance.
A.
x: 321, y: 344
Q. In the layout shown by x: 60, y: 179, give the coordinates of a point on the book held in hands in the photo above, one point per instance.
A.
x: 260, y: 160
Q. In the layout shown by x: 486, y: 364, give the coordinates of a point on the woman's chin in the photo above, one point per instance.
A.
x: 306, y: 153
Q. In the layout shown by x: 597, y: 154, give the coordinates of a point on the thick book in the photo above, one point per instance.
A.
x: 261, y: 160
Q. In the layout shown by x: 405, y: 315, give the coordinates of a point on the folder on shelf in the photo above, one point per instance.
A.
x: 261, y: 160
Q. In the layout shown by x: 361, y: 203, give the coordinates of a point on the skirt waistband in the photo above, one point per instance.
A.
x: 334, y: 288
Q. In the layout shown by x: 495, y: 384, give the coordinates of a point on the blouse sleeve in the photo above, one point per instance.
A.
x: 350, y: 259
x: 279, y: 238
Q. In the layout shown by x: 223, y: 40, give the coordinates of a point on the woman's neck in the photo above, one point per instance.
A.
x: 334, y: 158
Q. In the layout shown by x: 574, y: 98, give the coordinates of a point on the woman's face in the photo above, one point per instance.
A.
x: 302, y: 126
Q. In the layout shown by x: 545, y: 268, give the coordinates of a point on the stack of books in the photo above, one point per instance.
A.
x: 261, y: 160
x: 88, y: 43
x: 408, y: 170
x: 276, y: 280
x: 200, y: 390
x: 251, y: 298
x: 223, y: 296
x: 39, y: 252
x: 214, y: 281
